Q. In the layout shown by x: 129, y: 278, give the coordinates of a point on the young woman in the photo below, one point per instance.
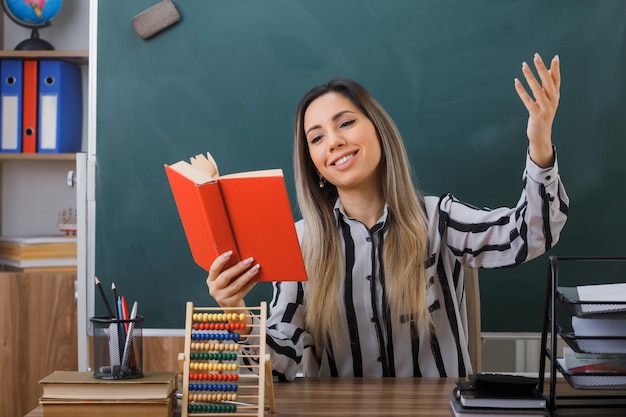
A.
x: 385, y: 295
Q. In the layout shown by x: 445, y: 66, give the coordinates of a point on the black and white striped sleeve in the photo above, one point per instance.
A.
x: 503, y: 237
x: 286, y: 338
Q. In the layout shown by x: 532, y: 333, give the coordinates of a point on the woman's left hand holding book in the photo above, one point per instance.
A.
x: 228, y: 287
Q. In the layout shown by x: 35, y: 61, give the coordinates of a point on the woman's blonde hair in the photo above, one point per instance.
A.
x: 406, y: 244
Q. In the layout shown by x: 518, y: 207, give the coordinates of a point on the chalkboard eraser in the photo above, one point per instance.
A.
x: 155, y: 19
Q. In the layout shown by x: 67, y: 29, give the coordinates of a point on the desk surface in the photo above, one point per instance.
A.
x: 340, y: 397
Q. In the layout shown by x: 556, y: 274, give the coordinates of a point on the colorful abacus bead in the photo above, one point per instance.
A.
x: 213, y: 387
x: 212, y: 408
x: 215, y: 336
x: 205, y: 397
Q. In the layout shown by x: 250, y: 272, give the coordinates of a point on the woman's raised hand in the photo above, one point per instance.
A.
x: 541, y: 107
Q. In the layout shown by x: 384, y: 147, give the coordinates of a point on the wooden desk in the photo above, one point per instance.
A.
x: 339, y: 397
x: 364, y: 397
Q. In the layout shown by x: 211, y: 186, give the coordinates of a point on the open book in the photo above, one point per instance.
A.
x: 248, y: 213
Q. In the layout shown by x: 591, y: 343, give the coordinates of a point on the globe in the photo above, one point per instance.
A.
x: 33, y: 14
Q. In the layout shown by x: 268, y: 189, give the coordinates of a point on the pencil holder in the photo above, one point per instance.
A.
x: 117, y: 348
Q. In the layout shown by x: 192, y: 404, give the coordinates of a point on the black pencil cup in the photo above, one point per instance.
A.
x: 117, y: 348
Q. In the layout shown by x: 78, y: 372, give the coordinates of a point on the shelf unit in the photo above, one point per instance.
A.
x: 49, y: 302
x: 598, y: 389
x: 18, y: 171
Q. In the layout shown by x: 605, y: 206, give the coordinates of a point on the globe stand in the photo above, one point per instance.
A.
x: 34, y: 43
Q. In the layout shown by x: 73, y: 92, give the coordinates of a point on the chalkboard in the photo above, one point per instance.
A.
x: 227, y: 78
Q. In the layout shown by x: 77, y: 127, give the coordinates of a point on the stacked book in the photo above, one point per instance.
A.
x: 600, y: 335
x: 596, y: 356
x: 601, y: 325
x: 493, y: 395
x: 580, y: 362
x: 47, y: 253
x: 602, y: 298
x: 74, y: 394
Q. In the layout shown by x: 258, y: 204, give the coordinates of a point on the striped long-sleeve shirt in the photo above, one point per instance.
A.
x: 459, y: 234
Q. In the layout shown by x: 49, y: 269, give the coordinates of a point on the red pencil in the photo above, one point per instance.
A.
x: 124, y: 312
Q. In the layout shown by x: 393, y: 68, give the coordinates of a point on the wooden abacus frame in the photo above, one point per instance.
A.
x: 253, y: 384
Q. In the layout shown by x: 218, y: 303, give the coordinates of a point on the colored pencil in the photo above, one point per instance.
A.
x: 104, y: 298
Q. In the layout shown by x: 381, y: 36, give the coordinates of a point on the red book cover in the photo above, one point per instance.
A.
x: 29, y: 111
x: 248, y: 213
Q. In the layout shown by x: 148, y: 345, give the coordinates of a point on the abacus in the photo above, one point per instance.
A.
x: 215, y: 381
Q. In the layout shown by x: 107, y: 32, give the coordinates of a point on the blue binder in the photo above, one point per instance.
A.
x: 60, y: 107
x: 11, y: 105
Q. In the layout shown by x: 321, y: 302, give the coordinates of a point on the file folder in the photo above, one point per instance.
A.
x: 11, y: 105
x: 60, y: 107
x: 29, y: 109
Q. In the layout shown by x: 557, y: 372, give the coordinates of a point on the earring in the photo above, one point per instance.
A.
x: 322, y: 181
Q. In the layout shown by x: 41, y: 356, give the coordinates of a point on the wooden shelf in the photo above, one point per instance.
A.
x: 76, y: 57
x: 37, y: 157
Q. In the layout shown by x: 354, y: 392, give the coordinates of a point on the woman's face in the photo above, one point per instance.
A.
x: 342, y: 142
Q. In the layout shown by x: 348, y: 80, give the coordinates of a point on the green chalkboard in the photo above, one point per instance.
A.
x: 227, y: 78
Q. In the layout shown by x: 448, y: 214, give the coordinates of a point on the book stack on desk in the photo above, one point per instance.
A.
x: 74, y: 394
x: 495, y: 395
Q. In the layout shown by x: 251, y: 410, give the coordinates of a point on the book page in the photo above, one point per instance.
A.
x: 195, y: 174
x: 206, y: 164
x: 261, y: 173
